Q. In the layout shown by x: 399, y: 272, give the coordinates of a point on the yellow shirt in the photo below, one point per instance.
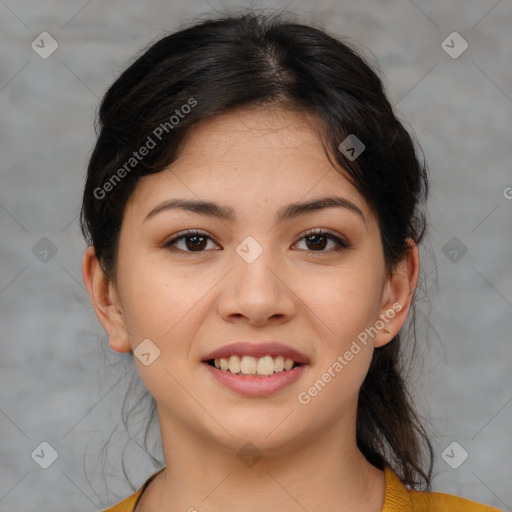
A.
x: 397, y: 499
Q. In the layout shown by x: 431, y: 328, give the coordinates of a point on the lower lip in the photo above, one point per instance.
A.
x: 257, y: 386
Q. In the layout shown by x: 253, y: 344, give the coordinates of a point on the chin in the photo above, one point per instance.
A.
x: 268, y: 433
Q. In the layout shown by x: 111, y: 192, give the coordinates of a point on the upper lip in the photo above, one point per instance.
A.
x: 257, y: 350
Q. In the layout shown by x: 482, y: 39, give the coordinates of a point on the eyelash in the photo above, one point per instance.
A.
x: 341, y: 244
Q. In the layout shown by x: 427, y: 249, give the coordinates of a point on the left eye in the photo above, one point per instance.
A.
x: 316, y: 241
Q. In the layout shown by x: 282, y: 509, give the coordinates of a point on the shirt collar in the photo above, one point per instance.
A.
x: 397, y: 497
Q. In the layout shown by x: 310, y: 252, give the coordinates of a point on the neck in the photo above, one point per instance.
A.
x: 327, y: 473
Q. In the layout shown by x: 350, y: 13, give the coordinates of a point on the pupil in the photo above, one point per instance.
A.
x: 315, y: 238
x: 195, y: 239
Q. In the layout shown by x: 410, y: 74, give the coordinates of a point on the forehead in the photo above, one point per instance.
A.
x: 257, y: 127
x: 266, y: 154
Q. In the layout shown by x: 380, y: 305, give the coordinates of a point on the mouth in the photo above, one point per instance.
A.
x: 251, y: 366
x: 256, y: 370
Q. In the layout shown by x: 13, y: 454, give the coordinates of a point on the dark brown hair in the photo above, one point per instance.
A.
x: 256, y: 60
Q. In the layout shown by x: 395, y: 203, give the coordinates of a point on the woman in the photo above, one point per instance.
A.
x: 254, y: 209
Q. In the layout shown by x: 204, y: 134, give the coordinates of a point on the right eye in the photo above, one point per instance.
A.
x: 190, y: 241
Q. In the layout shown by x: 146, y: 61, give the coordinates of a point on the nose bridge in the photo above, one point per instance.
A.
x: 256, y: 291
x: 254, y: 260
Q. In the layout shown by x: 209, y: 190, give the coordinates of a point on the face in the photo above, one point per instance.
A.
x: 256, y: 273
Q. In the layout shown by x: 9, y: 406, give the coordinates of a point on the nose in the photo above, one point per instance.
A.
x: 257, y: 292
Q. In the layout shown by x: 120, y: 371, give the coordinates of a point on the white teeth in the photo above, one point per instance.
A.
x: 247, y: 365
x: 265, y: 366
x: 288, y: 363
x: 234, y: 364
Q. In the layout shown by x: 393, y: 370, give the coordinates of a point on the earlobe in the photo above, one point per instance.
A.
x: 398, y: 295
x: 105, y: 301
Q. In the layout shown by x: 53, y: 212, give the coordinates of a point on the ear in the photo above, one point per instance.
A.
x: 397, y: 296
x: 105, y: 301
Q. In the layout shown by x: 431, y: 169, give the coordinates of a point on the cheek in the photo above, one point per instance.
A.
x: 346, y: 299
x: 158, y: 305
x: 153, y: 296
x: 347, y: 306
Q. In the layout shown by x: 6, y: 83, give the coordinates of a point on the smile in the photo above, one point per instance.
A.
x: 248, y: 365
x: 256, y: 369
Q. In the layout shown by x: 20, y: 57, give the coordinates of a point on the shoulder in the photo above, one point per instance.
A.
x: 399, y: 499
x: 427, y: 501
x: 128, y: 504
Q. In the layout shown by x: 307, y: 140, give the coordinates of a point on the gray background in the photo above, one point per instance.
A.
x: 57, y: 383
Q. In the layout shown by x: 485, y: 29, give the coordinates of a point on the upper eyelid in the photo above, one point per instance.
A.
x: 188, y: 232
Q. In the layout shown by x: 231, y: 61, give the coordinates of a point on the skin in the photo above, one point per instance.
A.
x: 314, y: 299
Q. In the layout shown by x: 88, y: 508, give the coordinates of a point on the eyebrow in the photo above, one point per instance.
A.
x: 227, y: 213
